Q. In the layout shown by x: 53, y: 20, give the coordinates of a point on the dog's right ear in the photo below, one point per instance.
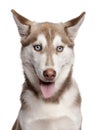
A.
x: 23, y: 23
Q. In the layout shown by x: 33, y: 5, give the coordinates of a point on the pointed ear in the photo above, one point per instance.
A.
x: 23, y: 24
x: 72, y: 26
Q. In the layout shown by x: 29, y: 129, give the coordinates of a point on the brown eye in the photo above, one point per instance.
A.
x: 59, y: 48
x: 37, y: 47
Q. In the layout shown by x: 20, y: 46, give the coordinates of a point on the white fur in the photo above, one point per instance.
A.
x: 40, y: 110
x: 41, y: 39
x: 26, y: 56
x: 57, y: 41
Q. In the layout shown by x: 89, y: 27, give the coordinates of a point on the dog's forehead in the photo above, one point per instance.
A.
x: 49, y: 31
x: 47, y: 26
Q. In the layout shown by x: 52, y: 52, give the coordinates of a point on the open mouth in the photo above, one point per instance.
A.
x: 47, y: 89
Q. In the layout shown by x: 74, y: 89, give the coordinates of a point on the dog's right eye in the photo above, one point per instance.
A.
x: 37, y: 47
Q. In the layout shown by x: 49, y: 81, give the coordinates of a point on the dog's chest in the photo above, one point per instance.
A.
x: 39, y: 110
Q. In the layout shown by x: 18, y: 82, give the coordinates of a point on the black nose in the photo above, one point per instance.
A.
x: 49, y: 74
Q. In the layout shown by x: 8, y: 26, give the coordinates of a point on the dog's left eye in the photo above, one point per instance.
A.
x: 59, y: 48
x: 37, y: 47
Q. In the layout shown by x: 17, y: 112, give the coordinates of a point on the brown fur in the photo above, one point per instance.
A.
x: 16, y: 126
x: 22, y: 19
x: 74, y: 21
x: 78, y: 100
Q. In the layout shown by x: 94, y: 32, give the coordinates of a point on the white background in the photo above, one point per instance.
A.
x: 88, y: 51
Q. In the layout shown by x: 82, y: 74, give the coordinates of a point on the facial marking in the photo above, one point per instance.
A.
x: 42, y: 40
x: 49, y: 60
x: 57, y: 41
x: 49, y: 31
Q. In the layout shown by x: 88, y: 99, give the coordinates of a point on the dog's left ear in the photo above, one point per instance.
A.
x: 23, y: 24
x: 72, y: 26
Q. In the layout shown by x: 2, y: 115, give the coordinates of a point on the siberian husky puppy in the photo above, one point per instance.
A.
x: 50, y: 99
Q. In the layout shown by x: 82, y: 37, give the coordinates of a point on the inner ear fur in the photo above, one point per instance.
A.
x: 72, y: 26
x: 23, y: 23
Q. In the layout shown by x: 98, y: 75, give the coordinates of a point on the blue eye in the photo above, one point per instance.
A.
x: 37, y: 47
x: 59, y: 48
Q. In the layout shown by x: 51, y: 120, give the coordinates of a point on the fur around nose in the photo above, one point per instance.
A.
x: 49, y: 74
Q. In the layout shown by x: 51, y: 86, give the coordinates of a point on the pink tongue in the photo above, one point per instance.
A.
x: 47, y: 89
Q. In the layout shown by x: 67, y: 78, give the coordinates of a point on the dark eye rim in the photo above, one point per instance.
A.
x: 59, y: 47
x: 37, y: 46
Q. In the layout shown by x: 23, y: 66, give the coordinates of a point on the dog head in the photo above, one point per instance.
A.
x: 47, y: 51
